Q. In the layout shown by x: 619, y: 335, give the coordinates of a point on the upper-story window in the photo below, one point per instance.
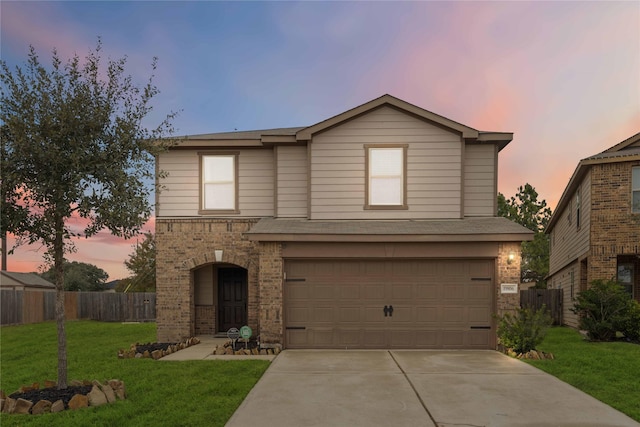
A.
x: 635, y: 190
x: 386, y: 176
x: 219, y: 180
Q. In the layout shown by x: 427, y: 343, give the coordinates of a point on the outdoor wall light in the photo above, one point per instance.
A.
x: 511, y: 257
x: 218, y: 254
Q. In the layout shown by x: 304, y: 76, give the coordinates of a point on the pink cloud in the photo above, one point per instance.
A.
x: 103, y: 250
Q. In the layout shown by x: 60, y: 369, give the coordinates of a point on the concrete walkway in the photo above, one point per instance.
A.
x: 416, y: 388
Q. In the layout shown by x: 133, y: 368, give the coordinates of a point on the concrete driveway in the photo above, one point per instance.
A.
x: 415, y: 388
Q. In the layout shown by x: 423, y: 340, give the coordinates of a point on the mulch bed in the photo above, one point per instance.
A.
x: 52, y: 394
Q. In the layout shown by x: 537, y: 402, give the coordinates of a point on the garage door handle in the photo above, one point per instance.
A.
x: 388, y: 311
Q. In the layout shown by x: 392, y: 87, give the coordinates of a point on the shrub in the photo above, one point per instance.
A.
x: 523, y: 330
x: 602, y: 308
x: 629, y: 326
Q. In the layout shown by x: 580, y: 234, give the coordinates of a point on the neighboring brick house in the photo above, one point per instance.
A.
x: 375, y: 228
x: 595, y: 230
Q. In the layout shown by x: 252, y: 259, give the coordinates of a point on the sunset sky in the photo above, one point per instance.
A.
x: 563, y: 76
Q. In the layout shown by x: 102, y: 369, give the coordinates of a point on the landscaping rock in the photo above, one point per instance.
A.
x: 50, y: 384
x: 108, y: 392
x: 22, y: 406
x: 9, y: 405
x: 79, y: 401
x: 57, y: 406
x: 42, y: 407
x: 118, y: 388
x: 96, y: 397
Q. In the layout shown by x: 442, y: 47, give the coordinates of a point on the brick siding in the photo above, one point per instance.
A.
x: 614, y: 229
x: 183, y: 245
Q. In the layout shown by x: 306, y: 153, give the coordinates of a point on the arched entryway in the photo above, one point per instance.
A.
x: 220, y: 298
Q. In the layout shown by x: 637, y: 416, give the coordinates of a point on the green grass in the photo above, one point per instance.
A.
x: 608, y: 371
x: 188, y: 393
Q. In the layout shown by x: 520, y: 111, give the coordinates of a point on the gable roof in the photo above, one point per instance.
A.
x: 293, y: 135
x: 625, y: 151
x: 392, y: 101
x: 28, y: 279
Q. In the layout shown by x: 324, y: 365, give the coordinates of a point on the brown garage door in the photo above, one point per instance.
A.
x: 347, y: 304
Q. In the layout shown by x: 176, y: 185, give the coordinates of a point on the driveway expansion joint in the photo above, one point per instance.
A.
x: 406, y: 377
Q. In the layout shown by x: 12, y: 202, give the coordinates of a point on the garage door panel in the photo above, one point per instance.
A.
x: 402, y: 313
x: 427, y: 338
x: 349, y: 315
x: 453, y: 339
x: 436, y: 302
x: 427, y: 315
x: 479, y: 338
x: 373, y: 291
x: 349, y: 292
x: 479, y: 315
x: 402, y: 291
x: 323, y: 314
x: 297, y: 292
x: 297, y: 315
x: 428, y: 291
x: 349, y: 337
x: 454, y: 293
x: 374, y: 338
x: 323, y: 291
x: 373, y: 314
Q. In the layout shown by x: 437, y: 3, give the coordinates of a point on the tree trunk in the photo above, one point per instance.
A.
x: 58, y: 261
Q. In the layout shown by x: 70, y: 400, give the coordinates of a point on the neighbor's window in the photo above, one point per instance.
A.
x: 219, y: 182
x: 572, y: 284
x: 625, y: 277
x: 635, y: 190
x: 386, y: 176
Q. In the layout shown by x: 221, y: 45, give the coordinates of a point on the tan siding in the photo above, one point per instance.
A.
x: 292, y: 182
x: 568, y: 243
x: 434, y: 167
x: 479, y: 180
x: 562, y: 280
x: 203, y: 286
x: 180, y: 196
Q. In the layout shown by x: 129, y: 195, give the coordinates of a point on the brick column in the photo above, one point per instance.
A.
x: 271, y: 297
x: 508, y: 273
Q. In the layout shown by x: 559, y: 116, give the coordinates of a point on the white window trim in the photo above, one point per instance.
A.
x: 233, y: 208
x: 371, y: 175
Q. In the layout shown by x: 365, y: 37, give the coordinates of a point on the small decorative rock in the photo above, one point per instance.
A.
x: 96, y: 397
x: 9, y: 405
x: 22, y: 406
x: 108, y: 392
x: 57, y: 406
x: 78, y: 401
x: 41, y: 407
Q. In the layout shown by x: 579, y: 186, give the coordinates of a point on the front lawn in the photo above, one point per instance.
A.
x: 608, y: 371
x: 190, y: 393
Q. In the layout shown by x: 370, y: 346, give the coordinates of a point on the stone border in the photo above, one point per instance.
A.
x: 263, y: 350
x: 133, y: 353
x: 532, y: 354
x: 100, y: 394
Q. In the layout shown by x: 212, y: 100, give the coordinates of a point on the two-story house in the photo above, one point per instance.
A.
x: 595, y: 230
x: 374, y: 228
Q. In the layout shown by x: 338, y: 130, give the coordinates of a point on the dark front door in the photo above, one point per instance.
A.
x: 232, y: 298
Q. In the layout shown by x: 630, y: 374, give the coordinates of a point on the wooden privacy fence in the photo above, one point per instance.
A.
x: 23, y: 307
x: 550, y: 298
